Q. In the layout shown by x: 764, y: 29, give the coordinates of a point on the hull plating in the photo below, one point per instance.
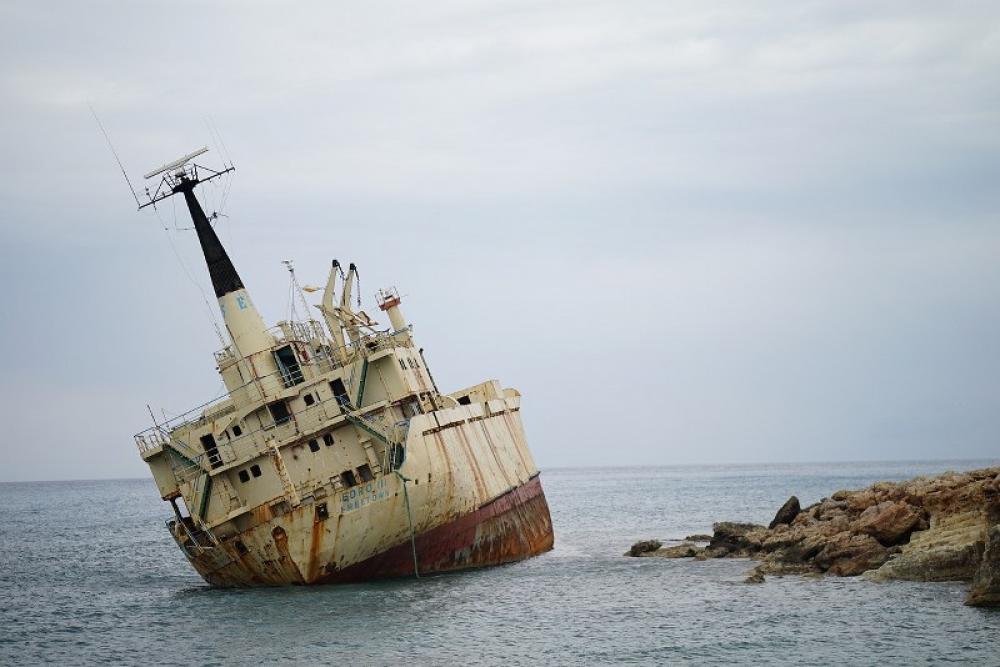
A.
x: 511, y: 527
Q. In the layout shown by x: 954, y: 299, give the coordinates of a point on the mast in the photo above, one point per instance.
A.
x: 245, y: 325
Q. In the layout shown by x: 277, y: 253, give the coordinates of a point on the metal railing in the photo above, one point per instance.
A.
x: 252, y: 443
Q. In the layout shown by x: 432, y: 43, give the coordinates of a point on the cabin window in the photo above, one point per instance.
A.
x: 279, y: 412
x: 255, y: 470
x: 328, y: 439
x: 340, y: 391
x: 313, y: 446
x: 321, y: 512
x: 288, y: 365
x: 308, y: 398
x: 244, y: 476
x: 237, y: 431
x: 208, y: 445
x: 464, y: 400
x: 348, y: 478
x: 365, y: 473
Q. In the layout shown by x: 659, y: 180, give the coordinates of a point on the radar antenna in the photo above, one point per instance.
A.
x: 179, y: 176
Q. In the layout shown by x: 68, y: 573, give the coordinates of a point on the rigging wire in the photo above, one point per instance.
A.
x: 115, y: 153
x: 225, y: 149
x: 187, y: 272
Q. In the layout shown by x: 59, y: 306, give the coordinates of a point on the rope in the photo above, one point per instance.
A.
x: 409, y: 516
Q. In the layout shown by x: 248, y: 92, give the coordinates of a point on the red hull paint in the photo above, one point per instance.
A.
x: 509, y: 528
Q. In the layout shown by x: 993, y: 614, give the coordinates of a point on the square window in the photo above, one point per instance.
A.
x: 244, y: 476
x: 237, y: 431
x: 308, y: 398
x: 348, y: 478
x: 255, y: 470
x: 313, y: 446
x: 328, y: 439
x: 365, y: 473
x: 279, y: 412
x: 321, y: 512
x: 402, y: 364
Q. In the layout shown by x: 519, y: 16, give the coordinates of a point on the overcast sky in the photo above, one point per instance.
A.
x: 687, y: 232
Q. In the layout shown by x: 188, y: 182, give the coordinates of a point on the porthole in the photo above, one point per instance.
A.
x: 308, y: 398
x: 237, y: 431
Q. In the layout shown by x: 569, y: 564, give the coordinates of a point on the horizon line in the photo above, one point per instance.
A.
x: 995, y: 461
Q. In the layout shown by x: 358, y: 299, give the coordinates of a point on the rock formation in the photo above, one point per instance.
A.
x: 943, y: 528
x: 787, y: 513
x: 986, y: 584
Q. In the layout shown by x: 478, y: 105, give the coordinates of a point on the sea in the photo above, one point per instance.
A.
x: 89, y: 574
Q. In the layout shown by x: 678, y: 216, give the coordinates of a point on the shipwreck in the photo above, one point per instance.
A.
x: 332, y: 456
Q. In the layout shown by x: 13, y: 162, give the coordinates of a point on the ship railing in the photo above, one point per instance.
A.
x: 312, y: 331
x: 161, y: 433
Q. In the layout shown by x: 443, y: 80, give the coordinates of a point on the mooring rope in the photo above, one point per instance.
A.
x: 409, y: 516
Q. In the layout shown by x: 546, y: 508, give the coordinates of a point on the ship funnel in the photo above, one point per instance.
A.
x: 388, y: 301
x: 245, y: 325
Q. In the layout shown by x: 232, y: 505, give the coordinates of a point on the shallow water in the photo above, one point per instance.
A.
x: 89, y: 574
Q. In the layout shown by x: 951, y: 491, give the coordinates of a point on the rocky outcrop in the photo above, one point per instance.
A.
x: 645, y: 550
x: 787, y: 513
x: 942, y: 528
x: 985, y: 590
x: 644, y: 547
x: 731, y: 538
x: 890, y: 522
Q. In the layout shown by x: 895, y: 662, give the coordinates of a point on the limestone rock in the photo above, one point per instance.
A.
x: 942, y: 563
x: 848, y: 554
x: 940, y: 528
x: 643, y: 546
x: 889, y: 522
x: 684, y: 550
x: 787, y: 513
x: 731, y: 538
x: 985, y: 591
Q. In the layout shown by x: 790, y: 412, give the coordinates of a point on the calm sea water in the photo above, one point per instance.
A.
x: 88, y: 574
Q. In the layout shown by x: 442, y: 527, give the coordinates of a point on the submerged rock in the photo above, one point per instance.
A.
x: 653, y: 549
x: 643, y: 547
x: 683, y: 550
x: 699, y: 537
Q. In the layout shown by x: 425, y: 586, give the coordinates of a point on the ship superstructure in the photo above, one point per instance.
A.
x: 333, y: 456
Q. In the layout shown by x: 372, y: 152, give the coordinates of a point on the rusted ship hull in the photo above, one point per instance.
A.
x: 513, y: 527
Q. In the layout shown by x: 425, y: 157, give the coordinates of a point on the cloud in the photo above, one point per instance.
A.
x: 759, y: 224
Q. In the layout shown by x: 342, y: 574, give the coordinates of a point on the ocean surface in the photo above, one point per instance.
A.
x: 88, y: 574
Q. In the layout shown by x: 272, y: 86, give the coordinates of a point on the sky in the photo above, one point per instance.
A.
x: 687, y: 232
